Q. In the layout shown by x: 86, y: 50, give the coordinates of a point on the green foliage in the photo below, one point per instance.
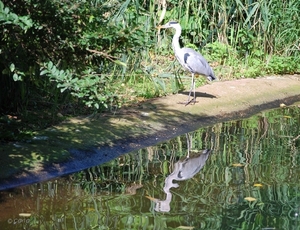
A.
x: 7, y: 17
x: 283, y: 65
x: 219, y: 52
x: 88, y: 41
x: 251, y: 31
x: 94, y: 89
x: 96, y: 46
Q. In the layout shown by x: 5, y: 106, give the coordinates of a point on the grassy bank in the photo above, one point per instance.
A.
x: 116, y: 57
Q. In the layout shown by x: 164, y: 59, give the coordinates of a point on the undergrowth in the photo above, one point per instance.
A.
x: 60, y: 59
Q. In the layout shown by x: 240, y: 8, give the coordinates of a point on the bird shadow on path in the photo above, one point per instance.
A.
x: 198, y: 94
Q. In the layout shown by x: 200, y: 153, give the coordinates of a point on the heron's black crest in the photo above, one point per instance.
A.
x: 173, y: 22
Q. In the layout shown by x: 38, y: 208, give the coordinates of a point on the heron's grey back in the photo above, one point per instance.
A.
x: 195, y: 63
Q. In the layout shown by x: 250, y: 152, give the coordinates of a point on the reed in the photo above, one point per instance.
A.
x: 240, y: 39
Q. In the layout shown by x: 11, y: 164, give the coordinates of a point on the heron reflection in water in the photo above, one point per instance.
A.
x: 183, y: 170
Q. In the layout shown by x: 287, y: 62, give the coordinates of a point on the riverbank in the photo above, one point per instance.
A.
x: 82, y: 142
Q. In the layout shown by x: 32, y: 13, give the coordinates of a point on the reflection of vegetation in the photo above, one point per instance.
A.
x: 257, y: 158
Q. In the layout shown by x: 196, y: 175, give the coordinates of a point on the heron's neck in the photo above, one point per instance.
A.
x: 175, y: 41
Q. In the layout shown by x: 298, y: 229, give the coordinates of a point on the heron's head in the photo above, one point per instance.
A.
x: 171, y: 24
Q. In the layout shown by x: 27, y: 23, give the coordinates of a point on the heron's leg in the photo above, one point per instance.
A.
x: 192, y: 89
x: 194, y: 86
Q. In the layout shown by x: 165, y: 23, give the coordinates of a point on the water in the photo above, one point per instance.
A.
x: 239, y: 175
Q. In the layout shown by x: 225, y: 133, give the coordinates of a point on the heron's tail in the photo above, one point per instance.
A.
x: 211, y: 77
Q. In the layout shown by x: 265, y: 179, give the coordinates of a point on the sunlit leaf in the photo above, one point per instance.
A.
x: 91, y: 18
x: 50, y: 65
x: 250, y: 198
x: 43, y: 72
x: 120, y: 63
x: 12, y: 67
x: 16, y: 77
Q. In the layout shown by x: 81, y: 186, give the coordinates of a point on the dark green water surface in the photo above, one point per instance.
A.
x: 240, y: 174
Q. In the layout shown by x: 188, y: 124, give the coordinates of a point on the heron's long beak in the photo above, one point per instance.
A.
x: 161, y: 27
x: 152, y: 198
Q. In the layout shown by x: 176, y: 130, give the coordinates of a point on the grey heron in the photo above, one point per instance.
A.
x: 191, y: 60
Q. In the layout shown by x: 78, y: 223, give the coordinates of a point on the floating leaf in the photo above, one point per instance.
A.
x: 287, y: 116
x: 186, y: 227
x: 250, y: 198
x: 237, y: 165
x: 258, y: 185
x: 282, y: 105
x: 24, y: 214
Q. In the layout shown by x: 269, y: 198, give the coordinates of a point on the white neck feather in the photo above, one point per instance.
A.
x: 175, y: 41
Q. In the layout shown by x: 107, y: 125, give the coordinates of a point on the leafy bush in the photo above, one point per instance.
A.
x: 283, y: 65
x: 83, y: 51
x: 96, y: 90
x: 7, y: 17
x: 83, y: 43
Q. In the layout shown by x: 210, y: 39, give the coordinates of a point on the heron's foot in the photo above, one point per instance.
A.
x: 188, y: 102
x: 191, y: 101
